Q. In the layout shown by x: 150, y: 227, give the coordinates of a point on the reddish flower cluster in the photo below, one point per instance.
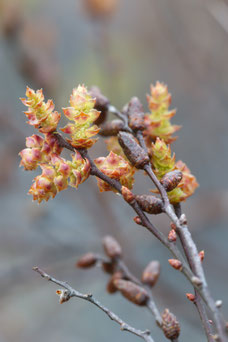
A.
x: 115, y: 167
x: 57, y: 173
x: 41, y: 115
x: 83, y: 114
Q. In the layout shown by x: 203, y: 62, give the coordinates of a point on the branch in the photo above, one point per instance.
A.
x: 121, y: 116
x: 198, y: 300
x: 189, y: 246
x: 201, y: 288
x: 70, y: 293
x: 151, y: 303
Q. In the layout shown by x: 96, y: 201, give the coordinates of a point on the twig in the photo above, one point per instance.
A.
x: 189, y: 247
x: 70, y: 293
x: 121, y: 116
x: 202, y: 288
x: 151, y: 303
x: 198, y: 300
x: 144, y: 219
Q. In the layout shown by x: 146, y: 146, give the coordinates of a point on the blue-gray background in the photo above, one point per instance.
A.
x: 56, y: 45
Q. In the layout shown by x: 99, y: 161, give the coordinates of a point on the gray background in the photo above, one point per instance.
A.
x: 182, y: 43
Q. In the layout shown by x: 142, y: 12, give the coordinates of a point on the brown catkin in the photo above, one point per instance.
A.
x: 132, y: 292
x: 87, y: 260
x: 135, y: 115
x: 171, y: 180
x: 111, y: 128
x: 111, y: 247
x: 151, y: 273
x: 132, y: 150
x: 150, y: 204
x: 111, y: 287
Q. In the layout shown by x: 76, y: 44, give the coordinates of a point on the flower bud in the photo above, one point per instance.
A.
x: 170, y: 325
x: 111, y: 287
x: 112, y: 247
x: 171, y: 180
x: 150, y: 204
x: 87, y: 260
x: 133, y: 151
x: 172, y: 237
x: 177, y: 264
x: 151, y: 273
x: 132, y: 292
x: 136, y: 115
x: 111, y: 128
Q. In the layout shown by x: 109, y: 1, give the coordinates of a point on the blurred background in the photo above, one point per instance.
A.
x: 123, y: 47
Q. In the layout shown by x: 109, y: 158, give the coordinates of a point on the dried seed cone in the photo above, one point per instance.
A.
x: 112, y: 247
x: 111, y: 128
x: 132, y: 292
x: 136, y: 115
x: 171, y: 180
x: 170, y: 325
x: 133, y: 151
x: 111, y: 287
x: 150, y: 204
x: 87, y: 260
x: 151, y: 273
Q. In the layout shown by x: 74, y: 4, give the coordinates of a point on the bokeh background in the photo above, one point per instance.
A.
x: 56, y: 45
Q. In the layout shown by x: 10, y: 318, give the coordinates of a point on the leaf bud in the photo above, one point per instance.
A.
x: 170, y: 325
x: 201, y: 255
x: 173, y: 226
x: 171, y: 180
x: 137, y: 220
x: 112, y: 247
x: 64, y: 295
x: 151, y: 273
x: 133, y: 151
x: 111, y: 128
x: 87, y: 260
x: 127, y: 195
x: 177, y: 264
x: 191, y: 297
x: 132, y: 292
x: 196, y: 281
x: 150, y: 204
x: 172, y: 237
x: 135, y: 114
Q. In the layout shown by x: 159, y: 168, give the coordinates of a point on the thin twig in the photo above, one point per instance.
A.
x: 151, y: 305
x: 70, y: 293
x: 121, y: 116
x: 198, y: 300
